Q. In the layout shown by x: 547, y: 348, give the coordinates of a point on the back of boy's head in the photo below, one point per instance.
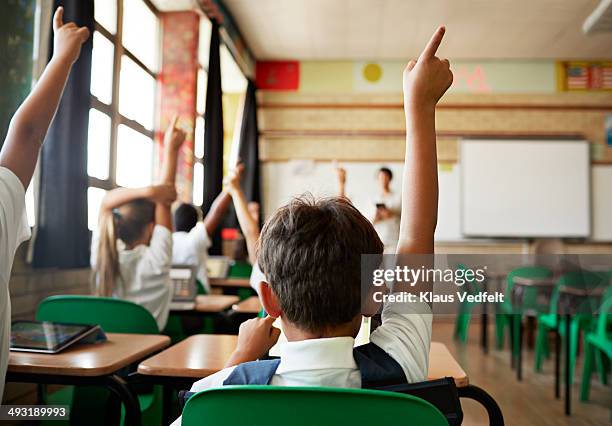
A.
x: 185, y: 218
x: 310, y: 251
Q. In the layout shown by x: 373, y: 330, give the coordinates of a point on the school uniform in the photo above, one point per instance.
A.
x: 144, y: 273
x: 398, y: 352
x: 13, y: 231
x: 191, y: 248
x: 388, y: 229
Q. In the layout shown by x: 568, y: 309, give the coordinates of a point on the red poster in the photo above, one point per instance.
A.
x: 278, y: 75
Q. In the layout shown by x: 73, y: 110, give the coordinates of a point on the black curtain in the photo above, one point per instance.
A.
x: 249, y: 147
x: 213, y: 133
x: 62, y: 237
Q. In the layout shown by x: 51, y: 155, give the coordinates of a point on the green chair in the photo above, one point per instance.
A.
x: 306, y: 406
x: 598, y: 345
x: 509, y: 315
x: 464, y: 314
x: 114, y: 316
x: 579, y: 322
x: 241, y: 269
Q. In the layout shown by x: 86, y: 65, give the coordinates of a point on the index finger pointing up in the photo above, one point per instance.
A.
x: 58, y: 18
x: 173, y: 121
x: 434, y: 43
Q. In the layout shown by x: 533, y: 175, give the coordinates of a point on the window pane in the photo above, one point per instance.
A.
x: 98, y: 144
x: 202, y: 86
x: 204, y: 42
x: 140, y: 32
x: 94, y: 199
x: 199, y: 138
x: 136, y: 93
x: 30, y: 205
x: 198, y: 184
x: 102, y: 68
x: 232, y: 79
x: 134, y: 158
x: 105, y: 13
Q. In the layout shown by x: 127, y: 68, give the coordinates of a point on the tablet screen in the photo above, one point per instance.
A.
x: 45, y: 336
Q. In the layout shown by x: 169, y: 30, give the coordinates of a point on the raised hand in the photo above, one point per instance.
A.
x: 164, y: 194
x: 341, y: 172
x: 174, y: 136
x: 428, y: 78
x: 232, y: 180
x: 68, y: 38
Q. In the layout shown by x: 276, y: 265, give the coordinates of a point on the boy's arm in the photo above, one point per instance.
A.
x: 341, y: 172
x: 173, y: 139
x: 30, y: 123
x: 217, y: 211
x: 248, y: 224
x: 164, y: 194
x: 425, y: 81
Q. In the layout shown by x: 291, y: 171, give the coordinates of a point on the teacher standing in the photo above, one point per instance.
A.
x: 385, y: 207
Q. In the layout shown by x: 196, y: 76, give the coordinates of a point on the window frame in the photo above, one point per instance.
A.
x: 112, y: 109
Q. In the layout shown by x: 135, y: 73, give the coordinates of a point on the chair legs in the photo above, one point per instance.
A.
x: 587, y: 370
x: 500, y: 324
x: 541, y: 347
x: 462, y: 325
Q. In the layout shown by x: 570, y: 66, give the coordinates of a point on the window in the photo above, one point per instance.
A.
x: 202, y: 83
x: 125, y: 61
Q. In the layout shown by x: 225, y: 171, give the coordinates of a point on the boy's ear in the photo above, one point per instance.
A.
x: 269, y: 300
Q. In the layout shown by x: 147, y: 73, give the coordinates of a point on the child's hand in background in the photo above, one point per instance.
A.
x: 68, y: 38
x: 232, y: 180
x: 341, y: 172
x: 163, y: 194
x: 428, y: 78
x: 174, y: 136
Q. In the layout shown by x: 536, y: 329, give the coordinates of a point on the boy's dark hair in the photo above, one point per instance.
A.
x: 185, y: 218
x: 310, y: 251
x: 386, y: 171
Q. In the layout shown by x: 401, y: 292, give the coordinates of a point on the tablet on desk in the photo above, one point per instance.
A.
x: 50, y: 337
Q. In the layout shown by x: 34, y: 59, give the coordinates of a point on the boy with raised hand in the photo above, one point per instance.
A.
x: 18, y: 159
x: 310, y: 252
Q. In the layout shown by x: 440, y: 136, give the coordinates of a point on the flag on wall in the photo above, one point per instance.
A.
x: 595, y: 76
x: 277, y: 75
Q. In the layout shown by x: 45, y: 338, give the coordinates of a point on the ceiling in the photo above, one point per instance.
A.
x: 398, y: 29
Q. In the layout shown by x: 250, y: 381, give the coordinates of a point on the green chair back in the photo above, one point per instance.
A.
x: 530, y: 296
x: 113, y: 315
x: 306, y: 406
x: 240, y: 269
x: 580, y: 279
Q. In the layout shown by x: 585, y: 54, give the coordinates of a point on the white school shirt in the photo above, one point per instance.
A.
x: 388, y: 229
x: 13, y: 231
x: 191, y: 248
x: 144, y: 273
x: 329, y: 362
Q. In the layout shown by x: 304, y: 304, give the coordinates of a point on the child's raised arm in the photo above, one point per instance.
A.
x: 425, y: 81
x: 30, y: 123
x: 159, y: 194
x: 173, y: 139
x: 248, y: 224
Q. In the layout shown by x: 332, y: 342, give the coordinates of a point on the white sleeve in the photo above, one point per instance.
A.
x: 257, y: 276
x: 14, y: 228
x: 405, y: 334
x: 158, y: 256
x: 199, y: 237
x: 213, y: 381
x: 95, y: 241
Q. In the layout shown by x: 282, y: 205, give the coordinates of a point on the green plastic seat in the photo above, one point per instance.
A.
x: 510, y: 315
x: 598, y: 348
x: 114, y: 316
x: 464, y: 314
x: 306, y: 406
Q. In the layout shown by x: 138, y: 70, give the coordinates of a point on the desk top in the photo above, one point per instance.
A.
x: 204, y: 354
x: 91, y: 360
x: 252, y: 305
x: 230, y: 282
x: 211, y: 303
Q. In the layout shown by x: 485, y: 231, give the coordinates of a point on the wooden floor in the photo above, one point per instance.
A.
x: 527, y: 403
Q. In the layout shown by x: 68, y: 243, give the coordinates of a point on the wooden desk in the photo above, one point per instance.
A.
x: 89, y: 364
x: 203, y: 354
x: 252, y: 305
x: 213, y: 303
x: 230, y: 282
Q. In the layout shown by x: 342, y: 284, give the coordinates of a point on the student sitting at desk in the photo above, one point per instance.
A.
x: 18, y: 159
x: 131, y: 253
x: 192, y: 237
x: 311, y: 252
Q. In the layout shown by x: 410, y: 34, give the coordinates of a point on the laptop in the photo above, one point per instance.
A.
x: 185, y: 290
x: 217, y: 266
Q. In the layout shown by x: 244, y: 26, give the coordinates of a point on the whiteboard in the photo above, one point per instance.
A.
x: 602, y: 203
x: 285, y: 180
x: 525, y: 188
